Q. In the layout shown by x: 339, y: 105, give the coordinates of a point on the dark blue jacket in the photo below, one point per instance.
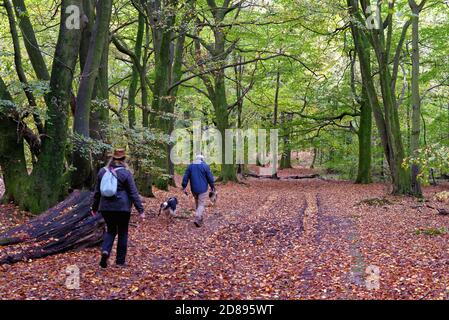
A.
x: 126, y: 196
x: 199, y: 174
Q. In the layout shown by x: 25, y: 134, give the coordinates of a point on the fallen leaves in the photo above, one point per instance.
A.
x: 441, y: 196
x: 265, y: 239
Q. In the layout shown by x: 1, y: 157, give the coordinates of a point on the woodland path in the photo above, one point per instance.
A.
x: 265, y: 239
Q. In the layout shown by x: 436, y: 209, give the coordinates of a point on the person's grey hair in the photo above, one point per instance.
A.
x: 200, y: 157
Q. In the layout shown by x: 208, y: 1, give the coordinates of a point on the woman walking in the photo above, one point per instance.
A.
x: 116, y: 209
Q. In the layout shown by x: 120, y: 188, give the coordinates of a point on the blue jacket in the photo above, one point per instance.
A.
x: 126, y: 196
x: 199, y: 174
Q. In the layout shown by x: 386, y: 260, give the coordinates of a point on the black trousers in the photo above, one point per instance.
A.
x: 116, y: 224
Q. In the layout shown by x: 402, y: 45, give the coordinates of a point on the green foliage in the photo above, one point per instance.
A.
x: 432, y: 231
x: 87, y: 146
x: 140, y: 143
x: 433, y: 157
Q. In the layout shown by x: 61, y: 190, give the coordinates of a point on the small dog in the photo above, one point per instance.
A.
x: 169, y: 207
x: 213, y: 197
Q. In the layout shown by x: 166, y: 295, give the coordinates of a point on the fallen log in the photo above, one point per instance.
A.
x: 66, y: 226
x: 308, y: 176
x: 441, y: 211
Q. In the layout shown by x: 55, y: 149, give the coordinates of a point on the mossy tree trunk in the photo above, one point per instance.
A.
x: 228, y: 170
x: 169, y: 55
x: 139, y: 56
x: 12, y: 156
x: 365, y: 126
x: 364, y: 135
x: 143, y: 179
x: 161, y: 101
x: 48, y: 183
x: 132, y: 90
x: 218, y: 51
x: 387, y: 118
x: 286, y: 157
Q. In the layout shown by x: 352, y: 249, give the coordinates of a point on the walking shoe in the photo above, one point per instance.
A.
x: 198, y: 222
x: 104, y: 259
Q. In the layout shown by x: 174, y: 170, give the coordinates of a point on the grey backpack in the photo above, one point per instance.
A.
x: 108, y: 185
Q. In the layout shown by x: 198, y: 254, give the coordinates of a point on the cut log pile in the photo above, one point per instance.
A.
x: 68, y: 225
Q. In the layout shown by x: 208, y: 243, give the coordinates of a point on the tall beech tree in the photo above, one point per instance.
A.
x: 218, y: 50
x: 90, y: 72
x: 416, y: 97
x: 379, y: 40
x: 139, y: 81
x: 40, y: 189
x: 286, y: 156
x: 158, y: 18
x: 365, y: 127
x: 167, y: 65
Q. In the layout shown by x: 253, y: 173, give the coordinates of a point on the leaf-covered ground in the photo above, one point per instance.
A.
x: 265, y: 239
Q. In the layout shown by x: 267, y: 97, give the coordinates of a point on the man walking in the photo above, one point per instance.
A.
x: 200, y: 176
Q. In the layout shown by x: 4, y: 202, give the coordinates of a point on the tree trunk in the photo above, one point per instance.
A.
x: 48, y: 184
x: 132, y: 92
x: 81, y: 160
x: 161, y: 102
x: 239, y: 71
x: 315, y: 154
x: 29, y: 37
x: 387, y: 120
x: 143, y: 179
x: 416, y: 99
x: 364, y: 135
x: 228, y: 171
x: 12, y: 155
x: 217, y: 89
x: 176, y: 74
x: 286, y: 158
x: 99, y: 116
